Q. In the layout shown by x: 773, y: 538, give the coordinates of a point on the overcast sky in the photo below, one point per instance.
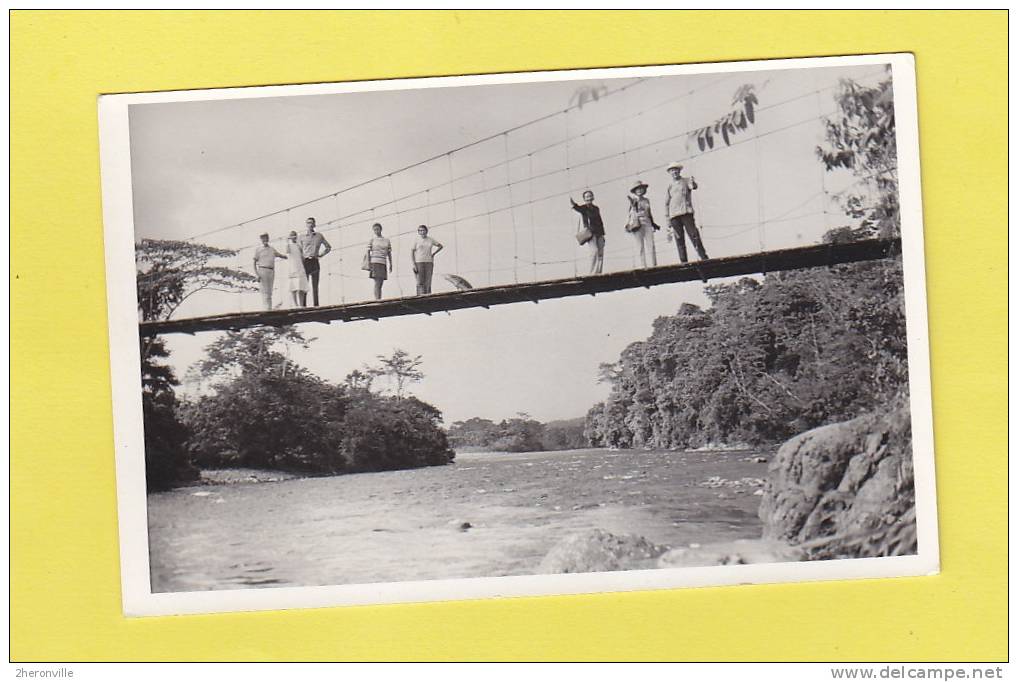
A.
x: 201, y: 166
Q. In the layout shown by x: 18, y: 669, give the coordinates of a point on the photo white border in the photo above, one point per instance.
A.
x: 125, y: 361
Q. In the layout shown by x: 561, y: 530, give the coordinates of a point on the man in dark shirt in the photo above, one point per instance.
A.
x: 591, y: 215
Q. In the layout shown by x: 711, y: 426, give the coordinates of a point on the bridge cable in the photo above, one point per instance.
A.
x: 239, y: 260
x: 342, y: 286
x: 512, y: 211
x: 415, y: 164
x: 569, y: 181
x: 823, y: 171
x: 488, y: 212
x: 455, y: 222
x: 526, y: 124
x: 530, y: 202
x: 394, y: 252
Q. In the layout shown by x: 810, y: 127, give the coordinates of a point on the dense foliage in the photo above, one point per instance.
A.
x: 166, y: 461
x: 265, y: 411
x: 519, y: 434
x: 767, y: 360
x: 861, y: 138
x: 168, y: 272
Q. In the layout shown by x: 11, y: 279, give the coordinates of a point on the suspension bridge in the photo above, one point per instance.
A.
x: 500, y: 206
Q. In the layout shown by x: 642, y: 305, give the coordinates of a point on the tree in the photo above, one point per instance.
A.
x: 473, y: 432
x: 389, y: 433
x: 400, y: 368
x: 166, y: 460
x: 359, y: 381
x: 266, y: 411
x: 255, y: 350
x: 565, y: 434
x: 861, y: 138
x: 170, y: 272
x: 260, y: 419
x: 519, y: 434
x: 587, y: 93
x: 740, y: 117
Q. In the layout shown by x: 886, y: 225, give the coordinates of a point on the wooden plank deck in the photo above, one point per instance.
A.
x: 819, y: 255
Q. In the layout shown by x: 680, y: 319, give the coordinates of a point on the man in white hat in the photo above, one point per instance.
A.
x: 679, y: 209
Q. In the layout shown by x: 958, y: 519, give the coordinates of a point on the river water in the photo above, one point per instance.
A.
x: 407, y: 525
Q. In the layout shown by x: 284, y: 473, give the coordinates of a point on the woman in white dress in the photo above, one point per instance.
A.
x: 298, y: 277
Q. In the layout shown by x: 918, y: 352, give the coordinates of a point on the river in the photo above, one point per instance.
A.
x: 408, y: 525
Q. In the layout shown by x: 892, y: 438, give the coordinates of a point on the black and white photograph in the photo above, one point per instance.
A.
x: 518, y: 334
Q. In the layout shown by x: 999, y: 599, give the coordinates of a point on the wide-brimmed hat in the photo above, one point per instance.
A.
x: 639, y: 184
x: 674, y: 164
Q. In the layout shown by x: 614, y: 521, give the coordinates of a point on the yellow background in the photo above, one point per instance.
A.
x: 65, y: 591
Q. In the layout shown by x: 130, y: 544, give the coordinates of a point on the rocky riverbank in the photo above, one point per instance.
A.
x: 843, y: 490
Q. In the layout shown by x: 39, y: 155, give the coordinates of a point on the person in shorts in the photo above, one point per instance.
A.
x: 379, y: 259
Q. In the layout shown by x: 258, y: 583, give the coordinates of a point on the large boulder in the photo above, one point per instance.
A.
x: 845, y: 490
x: 598, y: 550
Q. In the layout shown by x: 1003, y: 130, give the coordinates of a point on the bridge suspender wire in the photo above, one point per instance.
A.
x: 284, y: 283
x: 512, y: 212
x: 586, y: 160
x: 569, y: 176
x: 240, y: 263
x: 625, y: 173
x: 530, y: 203
x: 487, y: 211
x: 759, y: 195
x: 427, y: 208
x: 823, y: 171
x: 339, y: 249
x: 455, y: 223
x: 395, y: 251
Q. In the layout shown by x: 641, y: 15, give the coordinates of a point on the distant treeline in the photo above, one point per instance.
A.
x: 767, y: 360
x: 519, y: 434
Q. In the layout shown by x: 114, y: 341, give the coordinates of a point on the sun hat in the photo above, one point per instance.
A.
x: 639, y: 184
x: 674, y: 164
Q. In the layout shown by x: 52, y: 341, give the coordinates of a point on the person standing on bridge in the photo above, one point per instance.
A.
x: 379, y: 259
x: 591, y: 216
x: 679, y: 209
x: 298, y: 277
x: 641, y: 222
x: 422, y: 257
x: 265, y: 269
x: 311, y: 244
